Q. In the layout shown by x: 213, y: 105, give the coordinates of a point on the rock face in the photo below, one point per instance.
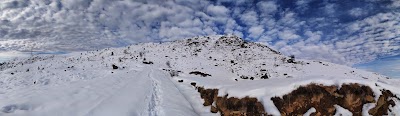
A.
x: 323, y: 98
x: 231, y: 106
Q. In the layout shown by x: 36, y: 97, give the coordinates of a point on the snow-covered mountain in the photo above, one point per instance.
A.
x: 213, y: 75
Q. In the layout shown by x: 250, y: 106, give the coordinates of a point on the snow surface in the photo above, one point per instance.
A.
x: 343, y: 112
x: 311, y: 110
x: 84, y: 84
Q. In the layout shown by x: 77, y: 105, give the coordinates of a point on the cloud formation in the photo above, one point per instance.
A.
x: 338, y: 32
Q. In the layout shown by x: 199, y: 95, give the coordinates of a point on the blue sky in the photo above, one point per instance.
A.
x: 389, y: 66
x: 341, y: 31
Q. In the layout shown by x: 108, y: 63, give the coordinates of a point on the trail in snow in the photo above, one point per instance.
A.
x: 167, y: 99
x: 153, y: 108
x: 129, y: 99
x: 133, y: 93
x: 189, y: 94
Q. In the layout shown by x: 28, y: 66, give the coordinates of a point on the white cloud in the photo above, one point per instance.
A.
x: 289, y: 19
x: 266, y: 39
x: 76, y: 4
x: 356, y: 12
x: 249, y: 18
x: 256, y: 31
x: 395, y: 4
x: 288, y: 35
x: 8, y: 4
x: 325, y: 52
x: 303, y: 4
x: 267, y: 7
x: 279, y: 45
x: 231, y: 26
x: 238, y: 33
x: 330, y: 9
x: 370, y: 38
x: 313, y: 37
x: 217, y: 10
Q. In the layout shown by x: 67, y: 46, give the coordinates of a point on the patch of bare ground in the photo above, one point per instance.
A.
x: 384, y: 101
x: 302, y: 99
x: 231, y: 106
x: 323, y: 98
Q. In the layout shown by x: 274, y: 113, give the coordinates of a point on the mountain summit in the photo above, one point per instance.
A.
x: 209, y: 75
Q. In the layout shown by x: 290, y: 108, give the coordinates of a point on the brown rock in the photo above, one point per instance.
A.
x: 214, y: 109
x: 369, y: 98
x: 323, y: 99
x: 383, y: 103
x: 302, y: 99
x: 354, y: 97
x: 231, y: 106
x: 209, y: 95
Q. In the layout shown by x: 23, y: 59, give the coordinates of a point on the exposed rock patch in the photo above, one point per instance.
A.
x: 354, y: 97
x: 193, y: 84
x: 323, y: 98
x: 113, y: 66
x: 384, y: 101
x: 147, y: 62
x: 230, y: 41
x: 302, y: 99
x: 200, y: 73
x: 208, y: 95
x: 231, y: 106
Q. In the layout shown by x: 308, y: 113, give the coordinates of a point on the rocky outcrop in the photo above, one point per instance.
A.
x: 230, y: 41
x: 231, y: 106
x: 199, y: 73
x: 354, y: 96
x: 323, y: 98
x: 384, y: 101
x: 302, y: 99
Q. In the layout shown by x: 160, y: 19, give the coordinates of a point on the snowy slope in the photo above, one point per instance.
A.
x: 82, y: 84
